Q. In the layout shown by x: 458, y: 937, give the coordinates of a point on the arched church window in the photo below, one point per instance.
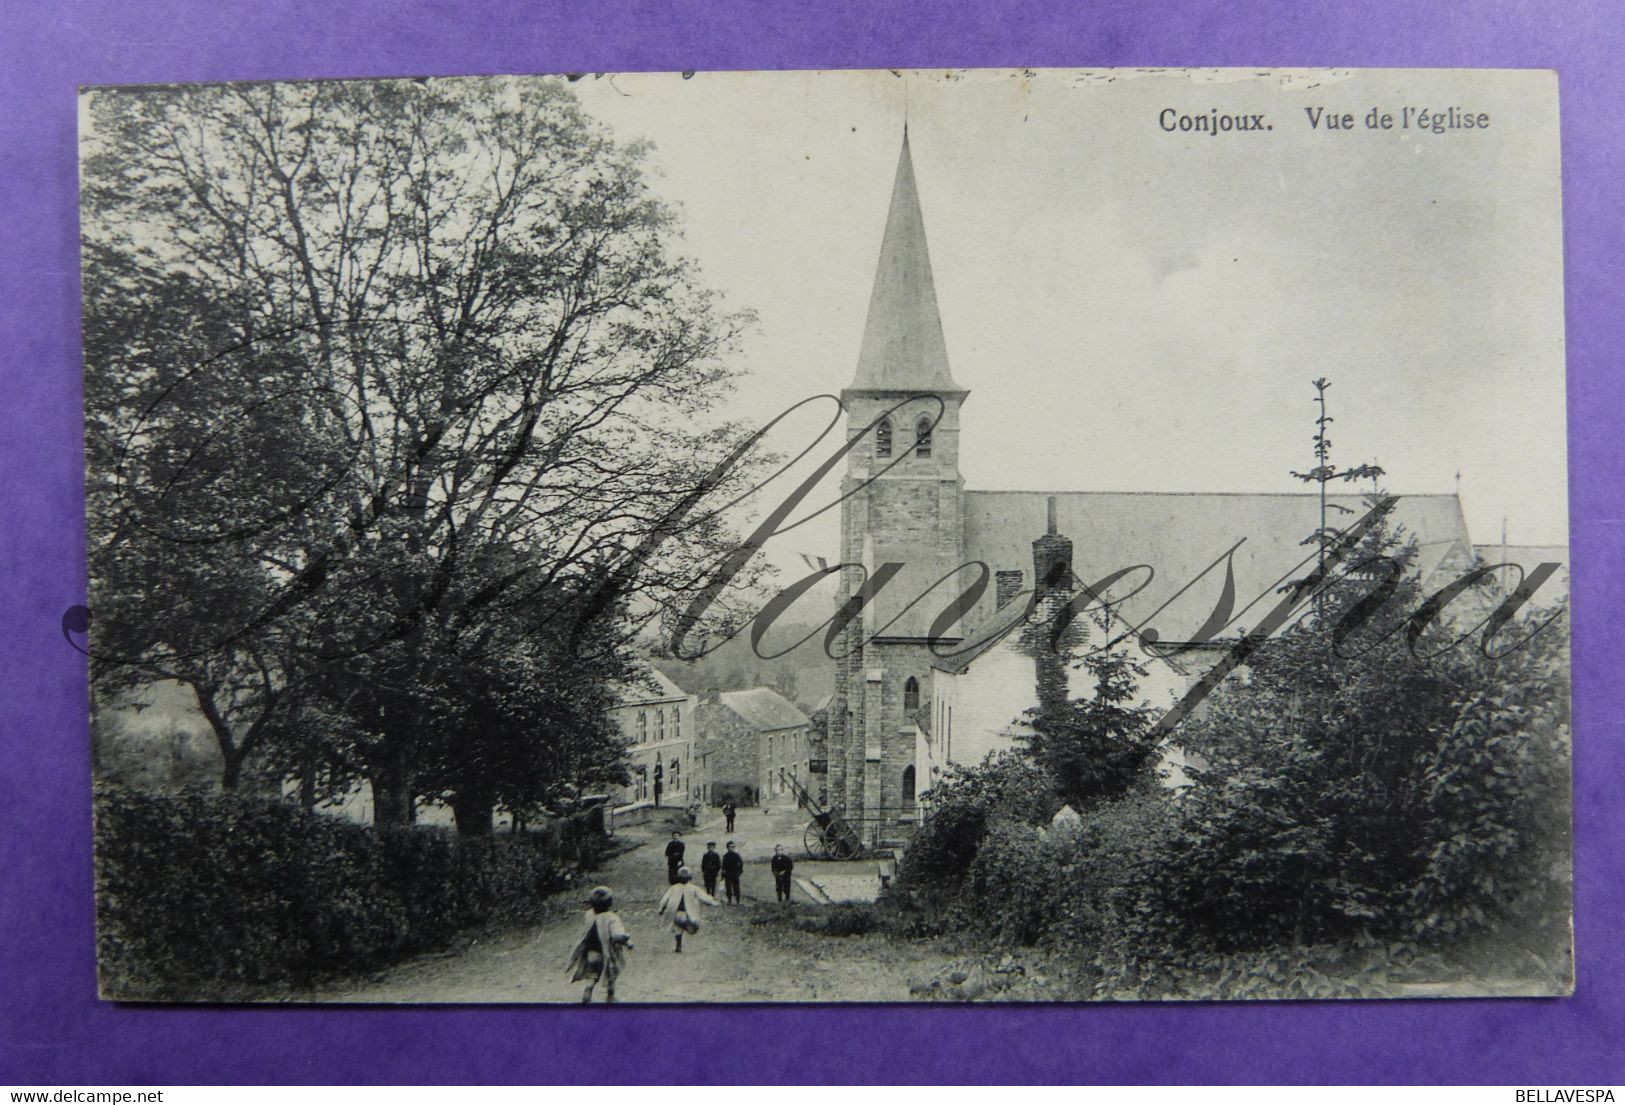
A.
x: 883, y: 438
x: 911, y: 694
x: 922, y: 437
x: 908, y: 787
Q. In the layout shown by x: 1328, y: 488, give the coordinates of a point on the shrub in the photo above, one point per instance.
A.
x: 221, y: 896
x: 1351, y: 969
x: 960, y: 810
x: 841, y: 919
x: 1014, y: 886
x: 1379, y: 796
x: 1068, y: 885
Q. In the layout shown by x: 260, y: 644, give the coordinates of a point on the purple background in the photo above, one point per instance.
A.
x: 54, y: 1030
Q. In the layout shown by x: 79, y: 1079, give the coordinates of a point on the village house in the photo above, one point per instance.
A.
x: 656, y: 717
x: 755, y: 744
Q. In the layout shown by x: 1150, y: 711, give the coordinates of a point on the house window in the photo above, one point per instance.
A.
x: 643, y: 726
x: 883, y: 438
x: 676, y: 723
x: 660, y: 724
x: 922, y: 437
x: 908, y: 787
x: 911, y: 694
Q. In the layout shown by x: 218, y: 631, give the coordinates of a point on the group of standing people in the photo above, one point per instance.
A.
x: 730, y: 865
x: 600, y: 950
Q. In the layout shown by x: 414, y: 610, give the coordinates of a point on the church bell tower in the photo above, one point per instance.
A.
x: 903, y: 506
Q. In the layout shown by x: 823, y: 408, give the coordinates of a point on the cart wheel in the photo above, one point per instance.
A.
x: 813, y: 839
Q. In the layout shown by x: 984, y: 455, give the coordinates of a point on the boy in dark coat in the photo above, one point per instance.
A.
x: 728, y: 811
x: 674, y: 856
x: 733, y: 865
x: 782, y: 866
x: 710, y: 865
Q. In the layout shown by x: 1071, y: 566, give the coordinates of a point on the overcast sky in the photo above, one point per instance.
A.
x: 1133, y: 309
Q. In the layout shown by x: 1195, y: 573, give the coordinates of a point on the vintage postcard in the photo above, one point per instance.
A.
x: 847, y: 536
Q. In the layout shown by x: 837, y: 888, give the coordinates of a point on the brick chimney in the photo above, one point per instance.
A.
x: 1008, y: 584
x: 1052, y: 583
x: 1052, y: 560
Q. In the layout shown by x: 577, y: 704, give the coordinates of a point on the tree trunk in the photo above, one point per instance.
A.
x: 391, y: 795
x: 473, y: 813
x: 307, y: 786
x: 231, y: 775
x: 232, y: 755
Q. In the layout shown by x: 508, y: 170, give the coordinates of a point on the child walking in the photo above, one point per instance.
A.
x: 600, y: 953
x: 681, y: 898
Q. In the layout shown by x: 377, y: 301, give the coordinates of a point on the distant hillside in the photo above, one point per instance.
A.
x: 804, y: 675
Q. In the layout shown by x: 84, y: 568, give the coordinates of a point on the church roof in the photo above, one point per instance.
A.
x: 1530, y: 557
x: 903, y: 348
x: 1526, y: 557
x: 764, y: 709
x: 1179, y: 535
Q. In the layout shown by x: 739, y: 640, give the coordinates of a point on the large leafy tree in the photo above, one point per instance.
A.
x: 382, y: 379
x: 1306, y: 797
x: 176, y: 488
x: 1373, y: 771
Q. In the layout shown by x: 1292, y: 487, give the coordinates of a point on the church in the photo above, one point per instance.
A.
x: 916, y: 692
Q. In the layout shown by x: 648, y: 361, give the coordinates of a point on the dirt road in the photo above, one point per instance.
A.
x: 735, y: 957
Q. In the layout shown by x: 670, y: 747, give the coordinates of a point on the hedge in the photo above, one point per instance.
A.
x: 217, y: 898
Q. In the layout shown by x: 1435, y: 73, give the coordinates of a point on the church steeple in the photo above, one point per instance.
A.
x: 903, y: 349
x: 902, y: 510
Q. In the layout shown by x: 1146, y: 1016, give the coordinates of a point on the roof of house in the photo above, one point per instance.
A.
x: 650, y: 685
x: 764, y: 709
x: 996, y: 628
